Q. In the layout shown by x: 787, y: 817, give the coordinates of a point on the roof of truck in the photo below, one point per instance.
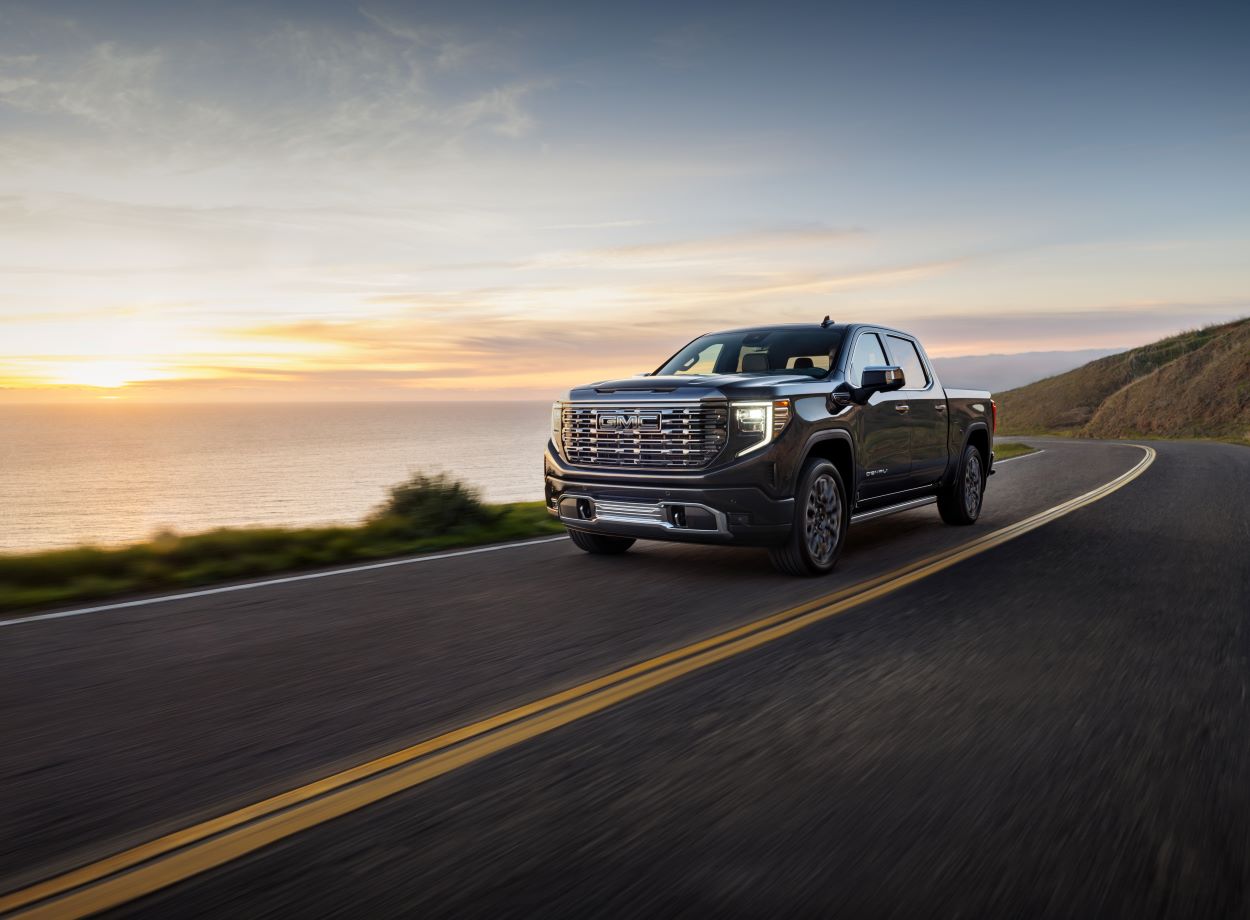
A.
x: 813, y: 327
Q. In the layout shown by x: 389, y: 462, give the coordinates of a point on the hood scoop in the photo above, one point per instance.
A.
x: 650, y: 389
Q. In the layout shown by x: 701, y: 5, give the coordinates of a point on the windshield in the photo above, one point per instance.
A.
x: 803, y: 352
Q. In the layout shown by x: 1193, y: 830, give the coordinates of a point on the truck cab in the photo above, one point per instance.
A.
x: 779, y: 436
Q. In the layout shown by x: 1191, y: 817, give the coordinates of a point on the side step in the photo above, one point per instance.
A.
x: 892, y: 509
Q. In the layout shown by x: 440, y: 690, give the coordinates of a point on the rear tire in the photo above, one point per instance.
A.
x: 599, y: 544
x: 821, y: 518
x: 960, y: 502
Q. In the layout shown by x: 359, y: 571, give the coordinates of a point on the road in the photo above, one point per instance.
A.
x: 1054, y: 725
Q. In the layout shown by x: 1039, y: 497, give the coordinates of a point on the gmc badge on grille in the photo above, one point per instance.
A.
x: 627, y: 421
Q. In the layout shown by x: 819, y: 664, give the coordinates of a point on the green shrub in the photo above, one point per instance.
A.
x: 429, y: 506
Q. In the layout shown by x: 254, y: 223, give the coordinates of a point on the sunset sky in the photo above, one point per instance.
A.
x: 411, y: 200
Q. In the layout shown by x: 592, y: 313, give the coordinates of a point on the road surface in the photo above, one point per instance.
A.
x: 1055, y: 724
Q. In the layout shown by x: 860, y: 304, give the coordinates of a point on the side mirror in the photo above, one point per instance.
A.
x: 880, y: 379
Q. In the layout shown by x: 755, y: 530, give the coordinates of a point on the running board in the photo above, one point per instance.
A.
x: 891, y: 509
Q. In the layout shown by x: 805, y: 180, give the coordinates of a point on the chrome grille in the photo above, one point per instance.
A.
x: 652, y: 435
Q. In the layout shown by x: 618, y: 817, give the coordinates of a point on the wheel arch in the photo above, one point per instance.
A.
x: 838, y: 447
x: 978, y: 436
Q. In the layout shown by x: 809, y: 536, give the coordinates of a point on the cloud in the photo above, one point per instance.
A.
x: 107, y: 86
x: 700, y: 249
x: 500, y: 109
x: 597, y: 225
x: 449, y: 52
x: 292, y: 91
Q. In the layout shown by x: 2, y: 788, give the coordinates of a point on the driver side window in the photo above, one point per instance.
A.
x: 868, y: 353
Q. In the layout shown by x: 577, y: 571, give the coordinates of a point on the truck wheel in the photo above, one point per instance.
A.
x: 960, y: 501
x: 821, y: 518
x: 598, y: 543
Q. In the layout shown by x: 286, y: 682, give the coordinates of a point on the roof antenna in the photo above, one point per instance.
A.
x: 826, y: 322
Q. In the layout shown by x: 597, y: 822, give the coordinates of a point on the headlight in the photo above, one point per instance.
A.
x: 557, y: 425
x: 752, y: 419
x: 757, y: 423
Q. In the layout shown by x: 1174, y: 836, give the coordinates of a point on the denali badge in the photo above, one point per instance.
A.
x: 627, y: 421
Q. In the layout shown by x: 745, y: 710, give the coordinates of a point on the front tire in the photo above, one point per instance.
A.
x: 599, y: 544
x: 960, y: 502
x: 821, y: 519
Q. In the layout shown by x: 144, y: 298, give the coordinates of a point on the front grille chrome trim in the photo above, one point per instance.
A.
x: 645, y: 434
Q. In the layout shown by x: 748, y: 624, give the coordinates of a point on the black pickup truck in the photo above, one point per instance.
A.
x: 777, y: 436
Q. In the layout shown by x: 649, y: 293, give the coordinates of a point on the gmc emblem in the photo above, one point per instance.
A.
x: 627, y: 421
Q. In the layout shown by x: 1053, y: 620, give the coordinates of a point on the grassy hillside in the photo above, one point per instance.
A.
x: 1205, y: 393
x: 1196, y: 384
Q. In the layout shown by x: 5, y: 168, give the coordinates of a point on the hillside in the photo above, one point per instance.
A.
x: 1196, y: 384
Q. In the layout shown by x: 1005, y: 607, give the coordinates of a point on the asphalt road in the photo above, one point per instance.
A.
x: 1058, y: 726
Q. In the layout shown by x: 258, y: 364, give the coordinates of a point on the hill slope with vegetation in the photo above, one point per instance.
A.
x: 1196, y: 384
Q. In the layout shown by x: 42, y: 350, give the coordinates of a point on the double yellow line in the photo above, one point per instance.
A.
x: 166, y: 860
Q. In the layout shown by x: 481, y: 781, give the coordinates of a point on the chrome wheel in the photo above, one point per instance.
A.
x: 972, y: 485
x: 824, y: 519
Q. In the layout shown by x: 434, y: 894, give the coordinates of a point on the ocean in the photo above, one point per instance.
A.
x: 116, y: 472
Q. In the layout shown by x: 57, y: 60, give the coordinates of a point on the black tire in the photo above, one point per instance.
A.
x: 822, y: 516
x: 599, y: 544
x: 959, y: 502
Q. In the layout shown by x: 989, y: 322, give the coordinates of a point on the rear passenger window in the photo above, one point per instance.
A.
x: 908, y: 358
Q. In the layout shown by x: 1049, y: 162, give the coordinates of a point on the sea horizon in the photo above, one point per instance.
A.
x: 114, y: 473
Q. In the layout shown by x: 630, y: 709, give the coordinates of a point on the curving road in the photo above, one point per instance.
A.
x: 1056, y: 725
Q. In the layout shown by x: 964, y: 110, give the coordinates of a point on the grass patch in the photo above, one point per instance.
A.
x: 424, y: 514
x: 1005, y: 451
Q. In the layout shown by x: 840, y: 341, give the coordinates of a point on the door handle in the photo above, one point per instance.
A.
x: 940, y: 407
x: 902, y: 408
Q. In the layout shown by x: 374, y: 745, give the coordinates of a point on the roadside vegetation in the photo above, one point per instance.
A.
x: 1009, y: 449
x: 422, y: 514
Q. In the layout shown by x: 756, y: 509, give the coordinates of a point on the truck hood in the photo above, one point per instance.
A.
x: 683, y: 386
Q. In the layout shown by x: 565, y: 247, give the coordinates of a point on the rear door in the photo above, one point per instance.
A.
x: 883, y: 431
x: 926, y: 411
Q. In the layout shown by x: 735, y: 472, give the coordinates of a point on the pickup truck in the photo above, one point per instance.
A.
x: 778, y: 436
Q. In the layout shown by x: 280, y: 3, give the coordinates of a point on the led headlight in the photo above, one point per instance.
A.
x: 757, y: 423
x: 557, y: 426
x: 752, y: 419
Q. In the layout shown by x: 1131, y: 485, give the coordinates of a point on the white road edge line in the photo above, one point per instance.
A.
x: 286, y: 579
x: 1032, y: 453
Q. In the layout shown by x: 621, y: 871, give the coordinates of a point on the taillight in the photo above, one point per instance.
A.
x: 994, y: 416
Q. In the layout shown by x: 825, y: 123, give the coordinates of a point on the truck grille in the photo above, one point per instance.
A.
x: 672, y: 436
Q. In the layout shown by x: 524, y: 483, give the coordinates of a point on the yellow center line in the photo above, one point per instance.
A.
x: 164, y: 861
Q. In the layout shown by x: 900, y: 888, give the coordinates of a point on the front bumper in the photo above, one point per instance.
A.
x: 665, y: 509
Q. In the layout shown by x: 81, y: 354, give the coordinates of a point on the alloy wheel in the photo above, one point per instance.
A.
x: 824, y: 519
x: 972, y: 486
